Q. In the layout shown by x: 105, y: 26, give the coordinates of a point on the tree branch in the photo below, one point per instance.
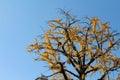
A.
x: 63, y: 71
x: 52, y: 74
x: 71, y: 73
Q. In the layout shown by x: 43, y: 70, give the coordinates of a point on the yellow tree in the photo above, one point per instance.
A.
x: 75, y: 49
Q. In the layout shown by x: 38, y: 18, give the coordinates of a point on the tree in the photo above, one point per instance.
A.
x: 75, y: 49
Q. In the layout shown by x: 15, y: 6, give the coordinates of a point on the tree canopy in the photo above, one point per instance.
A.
x: 75, y: 49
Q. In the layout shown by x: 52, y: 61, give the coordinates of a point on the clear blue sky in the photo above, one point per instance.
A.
x: 20, y: 22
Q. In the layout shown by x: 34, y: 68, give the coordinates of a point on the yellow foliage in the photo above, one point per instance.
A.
x: 75, y: 53
x: 105, y: 26
x: 82, y: 47
x: 114, y: 59
x: 55, y: 67
x: 94, y: 23
x: 48, y: 44
x: 36, y: 46
x: 47, y: 39
x: 62, y: 32
x: 45, y: 58
x: 58, y: 20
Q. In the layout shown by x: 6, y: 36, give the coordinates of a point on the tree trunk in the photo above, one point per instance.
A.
x: 82, y: 77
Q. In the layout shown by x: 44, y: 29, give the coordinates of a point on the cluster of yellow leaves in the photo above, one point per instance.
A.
x: 34, y: 46
x: 73, y: 33
x: 105, y: 26
x: 55, y: 67
x: 47, y: 43
x: 50, y: 59
x: 45, y: 57
x: 94, y: 22
x: 114, y: 59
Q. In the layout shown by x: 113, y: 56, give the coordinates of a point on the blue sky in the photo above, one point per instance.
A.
x: 20, y: 22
